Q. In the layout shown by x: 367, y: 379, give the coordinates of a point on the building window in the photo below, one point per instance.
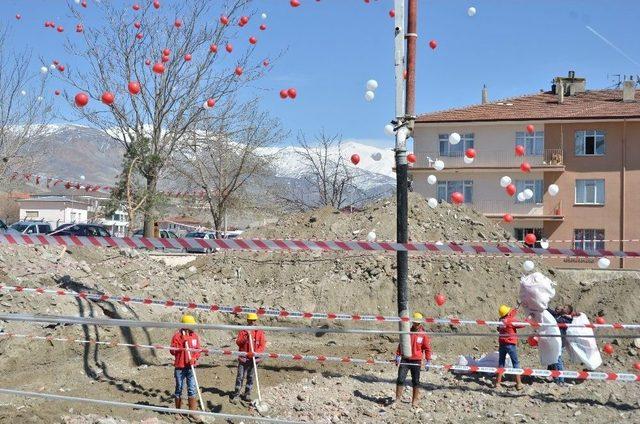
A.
x: 520, y: 234
x: 447, y: 188
x: 588, y: 239
x: 534, y: 185
x: 448, y: 149
x: 31, y: 215
x: 589, y: 192
x: 589, y: 143
x: 533, y: 143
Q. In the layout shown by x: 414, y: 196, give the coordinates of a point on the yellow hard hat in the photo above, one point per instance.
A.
x: 252, y: 317
x: 503, y: 310
x: 188, y: 319
x: 417, y: 316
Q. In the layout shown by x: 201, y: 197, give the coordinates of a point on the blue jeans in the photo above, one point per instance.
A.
x: 180, y: 375
x: 512, y: 351
x: 558, y: 366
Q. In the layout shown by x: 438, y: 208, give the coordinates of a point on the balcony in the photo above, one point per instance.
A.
x: 519, y: 210
x: 549, y: 159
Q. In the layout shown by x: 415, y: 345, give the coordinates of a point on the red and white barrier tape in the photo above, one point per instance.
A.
x: 580, y: 375
x: 306, y: 246
x: 283, y: 313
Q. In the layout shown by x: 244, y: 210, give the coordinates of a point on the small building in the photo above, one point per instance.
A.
x: 55, y: 210
x: 116, y: 224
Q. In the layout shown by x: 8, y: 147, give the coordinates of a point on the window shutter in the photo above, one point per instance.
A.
x: 579, y: 142
x: 580, y: 191
x: 539, y: 191
x: 600, y: 192
x: 443, y: 144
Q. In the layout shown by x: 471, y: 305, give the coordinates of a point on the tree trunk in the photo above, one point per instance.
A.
x: 152, y: 184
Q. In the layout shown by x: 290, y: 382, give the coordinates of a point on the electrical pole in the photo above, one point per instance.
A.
x: 405, y: 118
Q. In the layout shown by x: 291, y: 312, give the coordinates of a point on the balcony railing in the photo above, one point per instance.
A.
x: 500, y: 207
x: 494, y: 158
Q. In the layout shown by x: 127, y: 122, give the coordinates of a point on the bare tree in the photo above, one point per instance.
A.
x: 230, y: 158
x: 24, y: 113
x: 129, y: 45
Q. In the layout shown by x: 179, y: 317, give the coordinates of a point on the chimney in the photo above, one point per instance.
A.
x: 560, y: 90
x: 629, y: 91
x: 485, y: 95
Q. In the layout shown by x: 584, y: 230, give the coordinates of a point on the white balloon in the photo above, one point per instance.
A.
x: 77, y: 1
x: 24, y: 93
x: 528, y: 193
x: 471, y: 11
x: 454, y: 138
x: 40, y: 98
x: 205, y: 105
x: 431, y: 179
x: 433, y: 203
x: 438, y: 165
x: 82, y: 177
x: 467, y: 160
x: 521, y: 197
x: 52, y: 66
x: 369, y: 95
x: 44, y: 70
x: 389, y: 130
x: 553, y: 189
x: 505, y: 181
x: 603, y: 263
x: 371, y: 237
x: 264, y: 16
x: 376, y: 156
x: 544, y: 244
x: 372, y: 85
x: 528, y: 266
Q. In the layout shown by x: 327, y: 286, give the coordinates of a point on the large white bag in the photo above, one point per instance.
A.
x: 583, y: 349
x: 488, y: 360
x: 549, y: 348
x: 536, y: 290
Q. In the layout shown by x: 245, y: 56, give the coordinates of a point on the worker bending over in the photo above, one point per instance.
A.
x: 251, y: 342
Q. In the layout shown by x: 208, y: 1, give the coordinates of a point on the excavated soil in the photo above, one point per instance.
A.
x: 314, y: 392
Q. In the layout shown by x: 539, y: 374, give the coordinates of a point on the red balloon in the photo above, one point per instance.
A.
x: 165, y: 59
x: 166, y: 52
x: 525, y: 167
x: 600, y: 320
x: 510, y: 189
x: 213, y: 48
x: 224, y: 20
x: 137, y: 25
x: 355, y: 158
x: 57, y: 92
x: 507, y: 217
x: 292, y: 92
x: 470, y: 153
x: 440, y: 299
x: 211, y: 102
x: 61, y: 68
x: 79, y: 28
x: 433, y: 44
x: 637, y: 366
x: 457, y: 198
x: 18, y: 17
x: 411, y: 158
x: 263, y: 27
x: 187, y: 57
x: 147, y: 62
x: 519, y: 150
x: 244, y: 20
x: 156, y: 4
x: 265, y: 63
x: 531, y: 129
x: 134, y: 87
x: 81, y: 99
x: 608, y: 349
x: 530, y: 239
x: 229, y: 47
x: 108, y: 98
x: 239, y: 70
x: 392, y: 13
x: 178, y: 23
x: 139, y: 36
x: 158, y: 68
x: 60, y: 28
x: 533, y: 341
x: 253, y: 40
x: 294, y: 3
x: 284, y: 94
x: 136, y: 6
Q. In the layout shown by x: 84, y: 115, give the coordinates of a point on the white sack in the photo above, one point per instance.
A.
x: 549, y: 348
x: 536, y: 290
x: 583, y: 350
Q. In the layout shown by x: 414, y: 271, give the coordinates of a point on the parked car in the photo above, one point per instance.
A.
x: 88, y: 230
x: 163, y: 234
x: 205, y: 235
x: 36, y: 228
x: 6, y: 230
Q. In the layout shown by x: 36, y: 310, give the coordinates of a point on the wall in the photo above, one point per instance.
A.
x: 55, y: 213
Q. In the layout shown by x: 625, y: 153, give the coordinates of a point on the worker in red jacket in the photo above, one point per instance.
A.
x: 250, y: 342
x: 420, y: 350
x: 508, y: 341
x: 184, y: 360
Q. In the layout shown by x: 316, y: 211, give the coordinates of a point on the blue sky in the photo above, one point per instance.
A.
x: 335, y: 46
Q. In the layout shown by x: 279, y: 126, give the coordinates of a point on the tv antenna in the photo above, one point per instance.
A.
x: 619, y: 79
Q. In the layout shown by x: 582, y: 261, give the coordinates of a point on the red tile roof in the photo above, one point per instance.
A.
x: 593, y: 104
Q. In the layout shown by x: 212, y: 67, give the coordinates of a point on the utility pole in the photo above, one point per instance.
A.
x: 405, y: 118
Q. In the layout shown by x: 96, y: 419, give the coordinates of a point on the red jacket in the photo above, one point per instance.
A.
x: 508, y: 330
x: 259, y: 342
x: 179, y: 340
x: 420, y: 342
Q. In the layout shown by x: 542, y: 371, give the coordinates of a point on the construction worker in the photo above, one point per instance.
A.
x: 420, y: 350
x: 508, y: 341
x: 251, y: 342
x: 184, y: 360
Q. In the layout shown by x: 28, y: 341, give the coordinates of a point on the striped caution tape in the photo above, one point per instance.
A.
x: 306, y: 246
x: 579, y: 375
x: 284, y: 313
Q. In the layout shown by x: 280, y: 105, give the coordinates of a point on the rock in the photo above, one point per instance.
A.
x: 192, y: 269
x: 302, y: 398
x: 572, y: 405
x: 636, y: 343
